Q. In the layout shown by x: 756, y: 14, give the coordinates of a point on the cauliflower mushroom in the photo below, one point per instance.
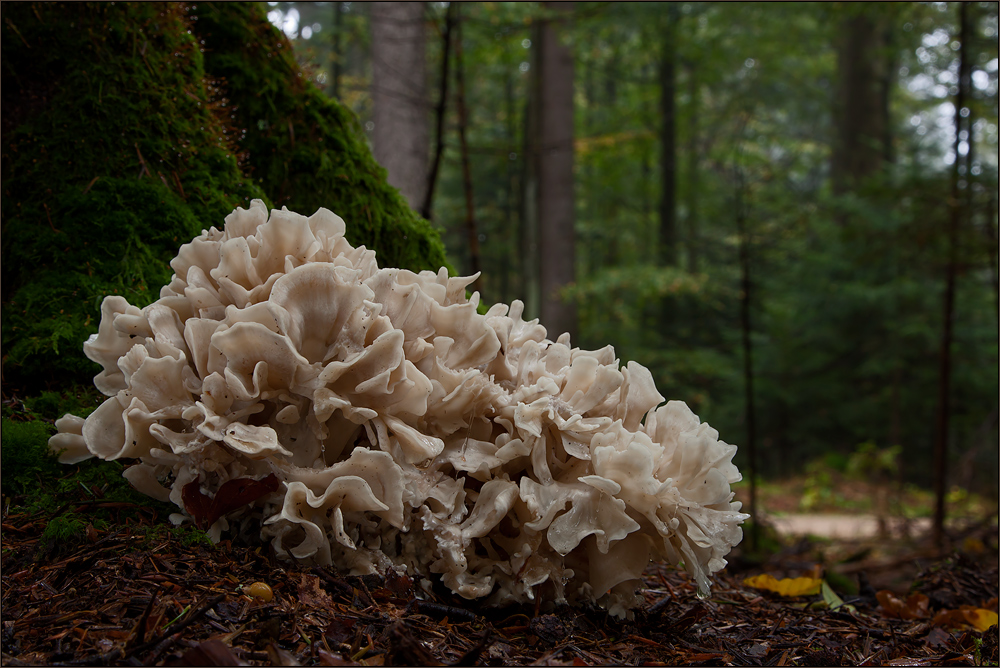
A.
x: 368, y: 418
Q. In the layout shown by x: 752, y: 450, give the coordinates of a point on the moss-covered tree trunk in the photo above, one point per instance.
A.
x: 128, y: 128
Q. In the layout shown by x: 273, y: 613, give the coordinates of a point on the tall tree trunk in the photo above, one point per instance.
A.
x: 887, y: 82
x: 399, y: 96
x: 861, y: 102
x: 510, y: 164
x: 668, y: 144
x: 471, y: 235
x: 439, y: 112
x: 746, y: 329
x: 529, y: 183
x: 954, y: 222
x: 991, y: 248
x: 557, y: 238
x: 693, y: 169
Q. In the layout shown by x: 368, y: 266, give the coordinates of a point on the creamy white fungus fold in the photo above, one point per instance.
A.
x: 369, y: 418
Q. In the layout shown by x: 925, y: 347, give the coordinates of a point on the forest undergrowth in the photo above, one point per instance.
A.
x: 94, y: 574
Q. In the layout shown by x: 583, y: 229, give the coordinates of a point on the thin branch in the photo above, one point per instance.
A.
x: 472, y: 236
x: 954, y: 221
x: 449, y: 22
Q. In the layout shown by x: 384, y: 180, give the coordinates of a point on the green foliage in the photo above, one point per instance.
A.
x: 845, y: 291
x: 870, y: 461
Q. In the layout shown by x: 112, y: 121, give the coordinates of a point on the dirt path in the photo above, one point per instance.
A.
x: 845, y: 526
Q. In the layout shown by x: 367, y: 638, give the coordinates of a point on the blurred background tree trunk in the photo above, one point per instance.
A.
x: 956, y: 210
x: 399, y: 96
x: 668, y: 140
x: 861, y: 106
x: 556, y: 215
x: 471, y: 234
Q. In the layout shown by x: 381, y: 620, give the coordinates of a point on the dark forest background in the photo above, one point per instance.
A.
x: 787, y: 211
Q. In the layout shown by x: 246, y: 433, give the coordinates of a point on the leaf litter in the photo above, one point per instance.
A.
x: 117, y: 598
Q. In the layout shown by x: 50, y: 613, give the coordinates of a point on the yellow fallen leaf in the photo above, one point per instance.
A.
x: 980, y: 618
x: 785, y: 586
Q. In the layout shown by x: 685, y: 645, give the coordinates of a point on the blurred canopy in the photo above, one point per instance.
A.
x: 826, y: 128
x: 802, y: 150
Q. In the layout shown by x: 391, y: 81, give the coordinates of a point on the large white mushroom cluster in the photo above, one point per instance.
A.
x: 397, y: 426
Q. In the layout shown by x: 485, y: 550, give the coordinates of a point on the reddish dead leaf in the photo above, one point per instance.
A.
x: 198, y: 505
x: 937, y: 637
x: 340, y: 630
x: 914, y: 607
x: 397, y: 583
x: 311, y: 594
x: 212, y: 652
x: 233, y: 494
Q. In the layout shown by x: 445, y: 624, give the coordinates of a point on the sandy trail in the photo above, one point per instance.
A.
x: 845, y: 526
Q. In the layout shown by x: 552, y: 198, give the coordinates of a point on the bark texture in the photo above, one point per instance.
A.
x: 861, y: 112
x: 399, y: 96
x: 951, y: 276
x: 557, y: 238
x: 668, y: 141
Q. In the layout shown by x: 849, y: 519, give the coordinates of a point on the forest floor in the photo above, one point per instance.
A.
x: 132, y: 594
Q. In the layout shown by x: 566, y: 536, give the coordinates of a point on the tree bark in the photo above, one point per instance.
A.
x: 694, y: 166
x: 512, y: 188
x: 954, y: 222
x: 861, y: 103
x: 399, y: 96
x: 557, y: 238
x: 746, y: 329
x: 668, y: 144
x: 471, y: 234
x: 529, y: 184
x: 439, y: 112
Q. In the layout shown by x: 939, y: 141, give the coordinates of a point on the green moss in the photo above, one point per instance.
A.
x: 25, y: 455
x: 128, y: 128
x: 188, y: 534
x: 305, y: 150
x: 115, y: 152
x: 81, y: 400
x: 35, y: 482
x: 64, y: 530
